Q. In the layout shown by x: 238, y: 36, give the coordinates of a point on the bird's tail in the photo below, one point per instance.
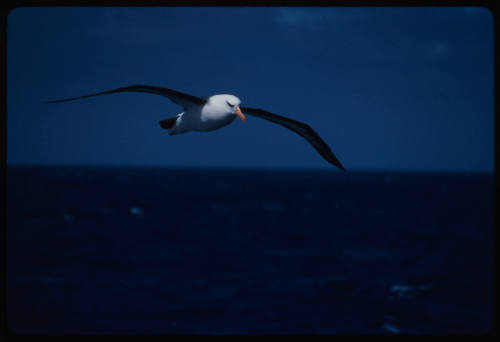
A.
x: 168, y: 123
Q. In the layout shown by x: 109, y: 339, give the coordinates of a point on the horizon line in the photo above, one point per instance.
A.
x: 262, y: 168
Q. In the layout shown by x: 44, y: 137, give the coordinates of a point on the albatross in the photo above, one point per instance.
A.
x: 205, y: 114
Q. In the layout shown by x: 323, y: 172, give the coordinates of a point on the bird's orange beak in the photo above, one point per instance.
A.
x: 240, y: 114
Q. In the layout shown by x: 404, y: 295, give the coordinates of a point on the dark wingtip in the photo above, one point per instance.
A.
x: 335, y: 162
x: 340, y: 167
x: 56, y: 101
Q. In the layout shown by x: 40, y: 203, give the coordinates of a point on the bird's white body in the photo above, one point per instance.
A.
x: 214, y: 114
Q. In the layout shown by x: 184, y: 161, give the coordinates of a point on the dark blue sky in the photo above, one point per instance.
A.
x: 386, y: 88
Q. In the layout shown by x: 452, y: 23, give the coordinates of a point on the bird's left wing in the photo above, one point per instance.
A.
x: 181, y: 99
x: 301, y: 129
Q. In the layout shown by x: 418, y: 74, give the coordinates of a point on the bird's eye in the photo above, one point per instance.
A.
x: 230, y: 105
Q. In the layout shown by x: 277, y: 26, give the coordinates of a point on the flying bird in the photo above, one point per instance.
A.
x: 204, y: 114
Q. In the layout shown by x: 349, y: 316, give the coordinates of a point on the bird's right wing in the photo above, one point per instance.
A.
x: 184, y: 100
x: 301, y: 129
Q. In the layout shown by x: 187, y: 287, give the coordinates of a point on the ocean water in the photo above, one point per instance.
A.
x: 173, y: 251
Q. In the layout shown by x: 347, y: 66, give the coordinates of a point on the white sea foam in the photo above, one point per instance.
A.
x: 136, y: 211
x: 68, y: 217
x: 391, y: 328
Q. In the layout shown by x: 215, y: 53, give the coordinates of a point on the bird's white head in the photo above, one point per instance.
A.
x: 229, y: 103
